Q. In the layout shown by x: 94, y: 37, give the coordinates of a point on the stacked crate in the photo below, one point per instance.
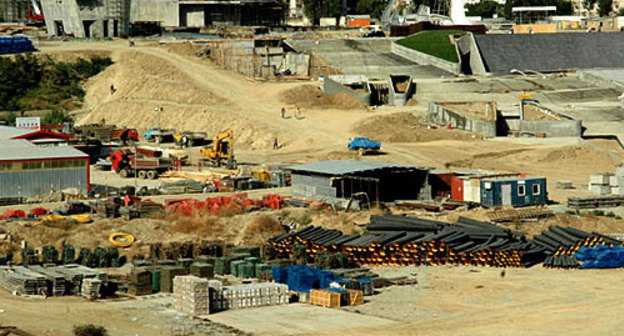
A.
x: 191, y: 295
x: 167, y: 274
x: 140, y: 283
x: 91, y: 288
x: 251, y: 295
x: 202, y: 270
x: 600, y: 184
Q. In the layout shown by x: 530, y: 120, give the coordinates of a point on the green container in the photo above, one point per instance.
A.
x: 239, y: 256
x: 166, y: 277
x: 206, y: 259
x: 262, y: 269
x: 253, y: 251
x: 222, y: 265
x: 165, y: 262
x: 235, y: 267
x: 247, y: 270
x: 202, y: 270
x: 253, y: 260
x: 185, y: 262
x: 156, y: 279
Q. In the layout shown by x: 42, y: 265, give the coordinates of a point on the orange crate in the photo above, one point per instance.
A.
x: 324, y: 298
x: 356, y: 297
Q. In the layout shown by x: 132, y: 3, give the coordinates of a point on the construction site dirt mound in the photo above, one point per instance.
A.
x: 73, y: 55
x: 572, y: 154
x: 406, y: 127
x: 310, y: 96
x: 260, y: 228
x: 183, y: 48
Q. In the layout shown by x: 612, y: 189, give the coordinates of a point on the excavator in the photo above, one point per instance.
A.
x: 221, y: 153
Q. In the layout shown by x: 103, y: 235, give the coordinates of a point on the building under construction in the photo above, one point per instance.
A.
x: 14, y: 10
x: 112, y: 18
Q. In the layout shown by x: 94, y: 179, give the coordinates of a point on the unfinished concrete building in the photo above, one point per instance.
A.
x: 86, y: 18
x: 111, y: 18
x: 13, y: 10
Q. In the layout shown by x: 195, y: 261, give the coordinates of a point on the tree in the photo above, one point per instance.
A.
x: 314, y: 10
x: 374, y: 8
x: 605, y: 7
x: 485, y: 9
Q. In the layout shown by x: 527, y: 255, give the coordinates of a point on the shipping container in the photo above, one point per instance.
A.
x: 457, y: 188
x: 517, y: 191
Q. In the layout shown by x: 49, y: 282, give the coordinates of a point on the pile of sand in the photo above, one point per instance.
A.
x: 310, y: 96
x: 405, y: 127
x: 574, y: 154
x: 73, y: 55
x: 183, y: 49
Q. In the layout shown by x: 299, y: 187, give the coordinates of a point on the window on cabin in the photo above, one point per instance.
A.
x: 536, y: 189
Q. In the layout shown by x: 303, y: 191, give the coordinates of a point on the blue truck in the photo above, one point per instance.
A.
x: 364, y: 145
x: 158, y: 135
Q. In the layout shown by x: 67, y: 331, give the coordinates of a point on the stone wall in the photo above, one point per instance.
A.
x: 442, y: 116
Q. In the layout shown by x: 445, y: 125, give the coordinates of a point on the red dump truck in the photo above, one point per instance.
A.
x: 126, y: 163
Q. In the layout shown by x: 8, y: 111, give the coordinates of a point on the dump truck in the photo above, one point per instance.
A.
x: 158, y: 135
x: 105, y: 133
x: 221, y: 152
x: 126, y: 163
x: 193, y: 138
x: 364, y: 145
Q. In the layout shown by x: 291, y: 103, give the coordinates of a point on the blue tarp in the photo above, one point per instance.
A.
x: 15, y: 45
x: 601, y: 256
x: 302, y: 278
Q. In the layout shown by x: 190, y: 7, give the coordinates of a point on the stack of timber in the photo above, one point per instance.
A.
x: 579, y: 203
x: 91, y: 288
x: 509, y: 215
x: 561, y: 243
x: 55, y: 280
x: 400, y: 241
x: 17, y: 282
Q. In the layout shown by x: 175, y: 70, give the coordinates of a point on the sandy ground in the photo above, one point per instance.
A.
x: 197, y: 95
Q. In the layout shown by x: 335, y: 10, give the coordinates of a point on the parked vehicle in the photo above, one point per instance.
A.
x: 364, y: 145
x: 127, y: 164
x: 158, y: 135
x: 221, y: 153
x: 192, y: 138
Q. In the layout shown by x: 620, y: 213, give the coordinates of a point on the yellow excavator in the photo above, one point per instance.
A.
x: 221, y: 152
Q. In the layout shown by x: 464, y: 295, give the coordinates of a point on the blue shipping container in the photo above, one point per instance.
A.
x: 15, y: 45
x: 515, y: 191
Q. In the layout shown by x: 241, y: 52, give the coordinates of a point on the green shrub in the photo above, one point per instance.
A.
x: 90, y: 330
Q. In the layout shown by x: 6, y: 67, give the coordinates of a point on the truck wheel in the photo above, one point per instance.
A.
x: 142, y: 174
x: 124, y: 173
x: 152, y: 175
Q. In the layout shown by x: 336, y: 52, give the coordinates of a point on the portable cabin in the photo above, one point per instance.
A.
x: 513, y: 191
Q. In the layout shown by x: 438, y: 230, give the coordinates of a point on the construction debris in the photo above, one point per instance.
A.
x: 509, y: 215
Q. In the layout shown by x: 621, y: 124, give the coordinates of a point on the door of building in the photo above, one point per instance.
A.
x: 506, y: 194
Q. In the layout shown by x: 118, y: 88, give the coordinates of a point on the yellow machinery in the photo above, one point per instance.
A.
x: 261, y: 175
x: 221, y: 153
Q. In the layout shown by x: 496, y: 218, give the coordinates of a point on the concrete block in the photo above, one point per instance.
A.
x: 600, y: 189
x: 601, y: 178
x: 617, y: 191
x: 564, y: 185
x: 619, y: 171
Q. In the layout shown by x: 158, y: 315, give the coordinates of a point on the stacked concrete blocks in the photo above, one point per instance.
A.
x: 191, y: 295
x: 600, y: 183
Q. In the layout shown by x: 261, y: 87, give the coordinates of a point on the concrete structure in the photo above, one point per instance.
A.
x: 353, y: 85
x: 371, y: 57
x: 425, y: 59
x: 381, y: 181
x: 86, y: 18
x: 401, y: 89
x: 499, y: 54
x: 111, y: 18
x: 482, y: 120
x: 516, y: 191
x: 28, y: 170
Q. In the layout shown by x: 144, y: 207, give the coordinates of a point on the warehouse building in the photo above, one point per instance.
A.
x: 381, y: 181
x: 37, y: 137
x: 28, y: 170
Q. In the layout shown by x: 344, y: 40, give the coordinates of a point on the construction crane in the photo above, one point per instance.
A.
x: 221, y: 153
x: 35, y: 15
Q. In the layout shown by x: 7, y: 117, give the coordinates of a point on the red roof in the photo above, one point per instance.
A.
x: 37, y: 135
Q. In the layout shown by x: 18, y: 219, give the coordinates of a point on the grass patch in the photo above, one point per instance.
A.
x: 433, y: 42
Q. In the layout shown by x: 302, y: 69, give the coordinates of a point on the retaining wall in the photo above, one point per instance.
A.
x: 337, y: 84
x: 424, y: 59
x: 552, y: 128
x: 440, y: 115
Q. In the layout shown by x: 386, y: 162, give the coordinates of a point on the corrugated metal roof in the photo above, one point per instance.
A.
x: 340, y: 167
x: 24, y: 150
x: 8, y: 132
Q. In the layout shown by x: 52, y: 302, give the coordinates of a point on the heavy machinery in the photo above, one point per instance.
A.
x: 159, y: 135
x: 221, y: 153
x: 103, y: 132
x: 127, y: 164
x: 192, y: 138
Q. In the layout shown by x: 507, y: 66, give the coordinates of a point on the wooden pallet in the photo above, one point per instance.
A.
x: 508, y: 215
x: 356, y: 297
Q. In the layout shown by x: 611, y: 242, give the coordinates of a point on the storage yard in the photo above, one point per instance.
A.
x: 169, y: 169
